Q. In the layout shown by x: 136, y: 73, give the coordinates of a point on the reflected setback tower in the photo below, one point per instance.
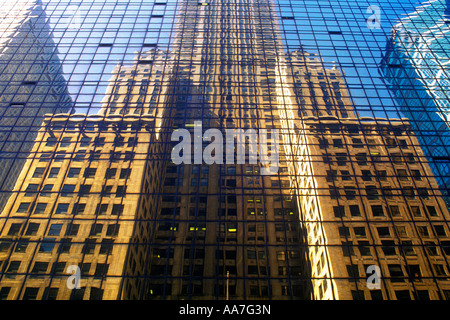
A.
x: 31, y: 85
x: 223, y: 227
x: 77, y: 200
x: 365, y: 192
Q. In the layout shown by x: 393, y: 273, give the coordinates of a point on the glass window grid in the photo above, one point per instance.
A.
x: 87, y: 60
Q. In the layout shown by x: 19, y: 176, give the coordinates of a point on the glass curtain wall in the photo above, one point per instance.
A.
x: 224, y: 149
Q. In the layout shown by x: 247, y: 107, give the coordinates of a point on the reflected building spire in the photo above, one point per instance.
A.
x: 31, y: 85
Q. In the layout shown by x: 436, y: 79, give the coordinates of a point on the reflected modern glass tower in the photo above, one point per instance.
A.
x: 416, y: 67
x: 31, y: 85
x: 102, y: 192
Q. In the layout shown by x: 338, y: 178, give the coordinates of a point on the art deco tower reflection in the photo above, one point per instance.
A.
x: 220, y: 227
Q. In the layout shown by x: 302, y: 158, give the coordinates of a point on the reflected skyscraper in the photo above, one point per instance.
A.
x: 416, y: 66
x: 212, y: 229
x: 362, y: 187
x: 31, y: 85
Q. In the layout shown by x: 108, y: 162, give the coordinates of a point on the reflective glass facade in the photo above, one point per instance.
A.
x: 223, y: 149
x: 416, y: 68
